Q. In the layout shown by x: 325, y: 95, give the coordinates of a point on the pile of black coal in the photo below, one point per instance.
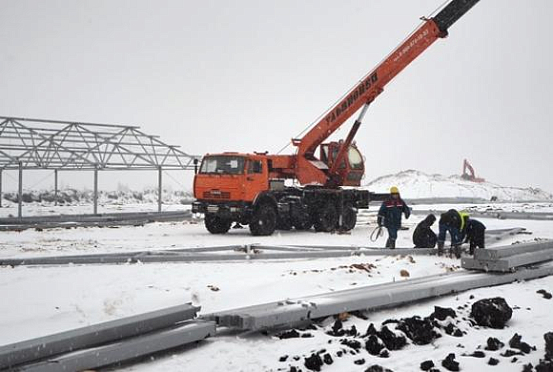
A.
x: 516, y: 343
x: 374, y: 345
x: 476, y: 354
x: 377, y: 368
x: 494, y: 344
x: 419, y: 330
x: 314, y: 362
x: 441, y: 313
x: 491, y: 312
x: 391, y: 340
x: 427, y: 365
x: 288, y: 334
x: 548, y: 345
x: 337, y: 330
x: 450, y: 363
x: 546, y: 364
x: 545, y: 294
x: 353, y: 344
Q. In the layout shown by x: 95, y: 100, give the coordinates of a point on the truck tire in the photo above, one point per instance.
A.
x: 216, y: 225
x: 264, y: 220
x: 349, y: 218
x: 326, y: 218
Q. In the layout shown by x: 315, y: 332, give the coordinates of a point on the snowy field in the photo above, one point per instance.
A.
x: 43, y: 300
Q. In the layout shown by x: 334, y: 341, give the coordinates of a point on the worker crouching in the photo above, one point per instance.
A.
x: 475, y: 234
x: 424, y: 237
x: 390, y: 214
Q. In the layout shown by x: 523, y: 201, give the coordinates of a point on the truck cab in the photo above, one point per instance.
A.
x: 227, y: 187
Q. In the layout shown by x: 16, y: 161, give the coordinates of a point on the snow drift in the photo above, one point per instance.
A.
x: 418, y: 185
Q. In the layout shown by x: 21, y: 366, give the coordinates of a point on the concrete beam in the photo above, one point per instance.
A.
x: 90, y: 336
x: 127, y: 349
x: 287, y: 312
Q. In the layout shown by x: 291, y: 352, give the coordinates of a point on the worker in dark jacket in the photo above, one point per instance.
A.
x: 390, y: 213
x: 475, y: 234
x: 424, y: 237
x: 453, y: 222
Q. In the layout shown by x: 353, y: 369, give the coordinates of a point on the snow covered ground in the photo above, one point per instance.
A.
x: 43, y: 300
x: 419, y: 185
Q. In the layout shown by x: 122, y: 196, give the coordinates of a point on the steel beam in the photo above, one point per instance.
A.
x: 1, y: 188
x: 283, y: 313
x: 127, y: 349
x: 90, y: 336
x: 182, y: 256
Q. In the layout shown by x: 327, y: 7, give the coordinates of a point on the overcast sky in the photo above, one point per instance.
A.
x: 249, y: 75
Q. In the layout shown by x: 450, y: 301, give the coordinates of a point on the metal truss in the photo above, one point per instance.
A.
x: 65, y: 145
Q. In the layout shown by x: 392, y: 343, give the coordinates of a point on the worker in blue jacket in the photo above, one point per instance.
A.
x: 390, y: 213
x: 455, y: 223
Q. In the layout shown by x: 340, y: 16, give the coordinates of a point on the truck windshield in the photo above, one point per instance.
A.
x: 223, y: 165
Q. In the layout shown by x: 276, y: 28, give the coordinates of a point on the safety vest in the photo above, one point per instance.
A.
x: 464, y: 215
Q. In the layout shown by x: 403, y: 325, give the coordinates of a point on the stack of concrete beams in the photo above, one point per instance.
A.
x: 509, y: 258
x: 291, y: 312
x: 108, y: 343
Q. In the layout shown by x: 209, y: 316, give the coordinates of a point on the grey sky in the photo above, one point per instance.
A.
x: 249, y: 75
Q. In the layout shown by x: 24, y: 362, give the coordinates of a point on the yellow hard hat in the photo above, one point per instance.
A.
x: 394, y: 190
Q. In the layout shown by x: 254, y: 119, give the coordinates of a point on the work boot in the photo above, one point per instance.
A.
x: 457, y: 250
x: 440, y: 248
x: 388, y: 243
x: 392, y: 244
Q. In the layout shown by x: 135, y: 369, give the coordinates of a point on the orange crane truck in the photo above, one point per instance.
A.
x: 250, y: 188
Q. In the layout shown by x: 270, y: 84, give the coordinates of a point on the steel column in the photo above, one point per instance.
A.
x: 55, y: 187
x: 0, y: 188
x: 95, y: 196
x: 20, y: 192
x: 159, y: 189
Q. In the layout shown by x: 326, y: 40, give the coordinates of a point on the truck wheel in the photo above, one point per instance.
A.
x: 326, y: 218
x: 264, y: 220
x: 349, y: 218
x: 216, y: 224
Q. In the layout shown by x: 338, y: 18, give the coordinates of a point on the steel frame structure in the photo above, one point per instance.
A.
x: 70, y: 146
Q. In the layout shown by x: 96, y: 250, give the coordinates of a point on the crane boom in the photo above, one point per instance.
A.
x: 308, y: 170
